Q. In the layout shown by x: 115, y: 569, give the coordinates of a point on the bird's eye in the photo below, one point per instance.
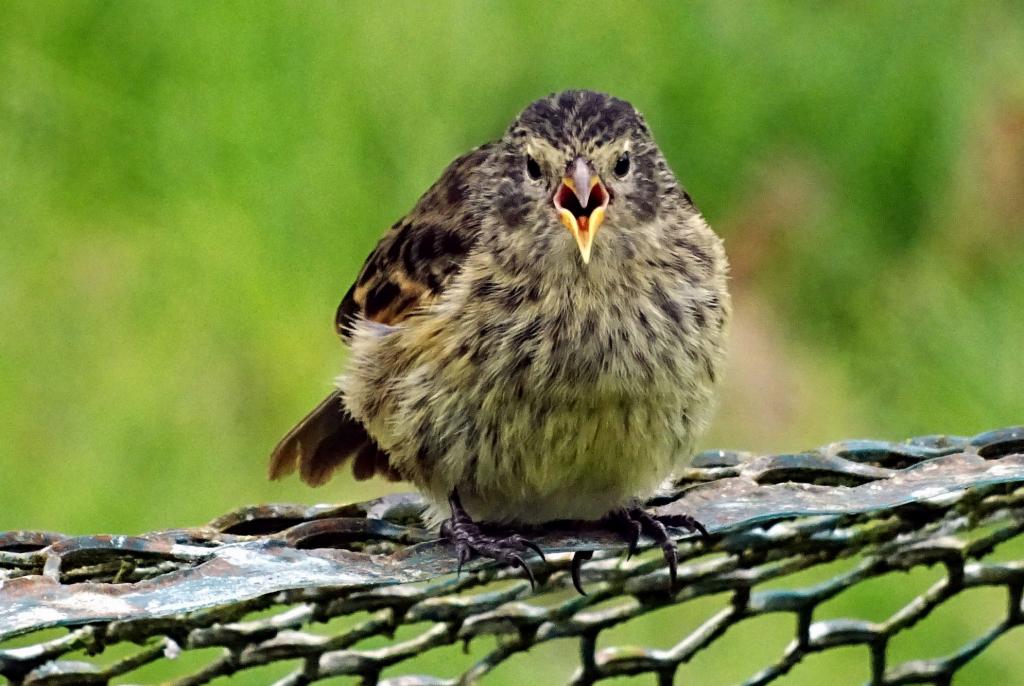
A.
x: 622, y: 165
x: 532, y: 168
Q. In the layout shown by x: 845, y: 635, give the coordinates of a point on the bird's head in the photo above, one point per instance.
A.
x: 580, y: 160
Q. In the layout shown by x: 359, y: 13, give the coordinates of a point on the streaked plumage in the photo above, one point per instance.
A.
x: 540, y: 372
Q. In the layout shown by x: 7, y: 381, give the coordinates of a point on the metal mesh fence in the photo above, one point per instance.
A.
x: 317, y: 587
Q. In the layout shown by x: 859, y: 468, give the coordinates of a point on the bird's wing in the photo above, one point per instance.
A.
x: 410, y: 267
x: 417, y: 258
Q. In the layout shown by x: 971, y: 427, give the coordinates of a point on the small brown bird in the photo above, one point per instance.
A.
x: 537, y: 340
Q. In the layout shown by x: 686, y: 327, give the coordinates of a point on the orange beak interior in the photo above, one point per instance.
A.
x: 581, y: 219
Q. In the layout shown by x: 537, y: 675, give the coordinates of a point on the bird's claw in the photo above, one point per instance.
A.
x: 657, y: 531
x: 671, y: 554
x: 518, y: 561
x: 463, y: 552
x: 685, y: 521
x: 634, y: 521
x: 577, y: 564
x: 469, y: 538
x: 531, y: 545
x: 632, y: 537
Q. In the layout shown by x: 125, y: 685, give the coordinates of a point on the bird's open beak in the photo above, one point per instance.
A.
x: 581, y: 201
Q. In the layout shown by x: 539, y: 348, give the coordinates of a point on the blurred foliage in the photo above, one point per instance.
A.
x: 187, y: 189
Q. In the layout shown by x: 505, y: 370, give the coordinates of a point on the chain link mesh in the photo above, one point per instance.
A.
x: 270, y: 584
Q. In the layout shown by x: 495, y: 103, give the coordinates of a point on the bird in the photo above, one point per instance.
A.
x: 539, y: 339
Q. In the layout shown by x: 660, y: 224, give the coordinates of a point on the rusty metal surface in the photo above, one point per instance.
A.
x: 898, y: 504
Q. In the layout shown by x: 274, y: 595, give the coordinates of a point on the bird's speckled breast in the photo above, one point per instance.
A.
x: 541, y: 401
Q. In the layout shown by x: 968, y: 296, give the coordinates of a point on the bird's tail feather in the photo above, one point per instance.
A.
x: 324, y: 440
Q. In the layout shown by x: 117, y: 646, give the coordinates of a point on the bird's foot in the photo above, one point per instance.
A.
x: 632, y: 521
x: 470, y: 538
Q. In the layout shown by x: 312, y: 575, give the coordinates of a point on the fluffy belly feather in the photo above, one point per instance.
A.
x: 541, y: 457
x: 567, y: 418
x: 576, y: 462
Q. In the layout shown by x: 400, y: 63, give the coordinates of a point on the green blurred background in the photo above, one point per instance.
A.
x: 187, y: 189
